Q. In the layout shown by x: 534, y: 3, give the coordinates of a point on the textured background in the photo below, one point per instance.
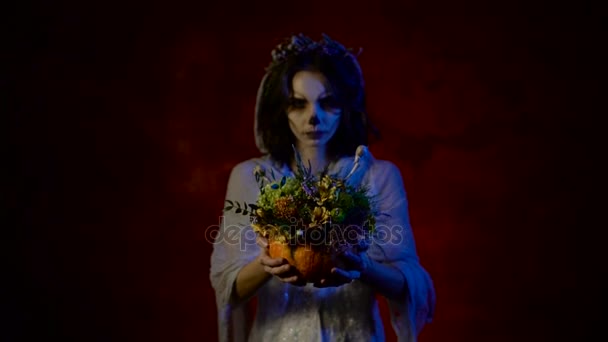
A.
x: 125, y: 120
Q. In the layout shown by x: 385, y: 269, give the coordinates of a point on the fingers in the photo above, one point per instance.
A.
x: 278, y: 267
x: 330, y: 282
x: 266, y: 260
x: 277, y: 270
x: 339, y: 277
x: 285, y: 273
x: 363, y: 245
x: 357, y: 261
x: 327, y: 283
x: 298, y: 281
x: 352, y: 257
x: 293, y: 280
x: 261, y: 241
x: 346, y: 276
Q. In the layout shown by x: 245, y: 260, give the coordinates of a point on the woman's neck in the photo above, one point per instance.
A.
x: 317, y: 156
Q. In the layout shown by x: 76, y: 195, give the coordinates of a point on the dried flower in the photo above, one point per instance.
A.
x: 285, y: 208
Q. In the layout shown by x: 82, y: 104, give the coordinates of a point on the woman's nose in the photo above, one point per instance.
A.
x: 315, y: 115
x: 314, y: 119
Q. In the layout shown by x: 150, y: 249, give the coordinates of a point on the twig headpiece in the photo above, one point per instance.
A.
x: 300, y: 44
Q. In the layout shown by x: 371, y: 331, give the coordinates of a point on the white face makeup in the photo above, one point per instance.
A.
x: 313, y: 113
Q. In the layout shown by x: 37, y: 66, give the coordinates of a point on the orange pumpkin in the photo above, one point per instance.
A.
x: 312, y: 264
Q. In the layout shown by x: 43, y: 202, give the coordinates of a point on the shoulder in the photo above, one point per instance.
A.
x: 243, y: 172
x: 242, y: 184
x: 386, y: 176
x: 385, y: 167
x: 246, y: 167
x: 385, y: 170
x: 377, y: 173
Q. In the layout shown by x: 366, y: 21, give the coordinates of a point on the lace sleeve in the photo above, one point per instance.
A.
x: 234, y: 247
x: 395, y: 245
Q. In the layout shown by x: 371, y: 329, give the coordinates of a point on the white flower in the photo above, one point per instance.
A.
x: 360, y: 154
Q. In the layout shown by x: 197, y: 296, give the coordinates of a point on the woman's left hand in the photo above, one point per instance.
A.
x: 356, y: 265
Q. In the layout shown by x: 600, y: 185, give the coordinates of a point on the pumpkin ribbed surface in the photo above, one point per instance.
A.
x: 312, y: 264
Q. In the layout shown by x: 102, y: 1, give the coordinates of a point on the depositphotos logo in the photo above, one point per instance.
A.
x: 244, y: 236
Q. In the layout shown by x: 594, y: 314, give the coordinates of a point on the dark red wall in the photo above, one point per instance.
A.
x: 125, y: 120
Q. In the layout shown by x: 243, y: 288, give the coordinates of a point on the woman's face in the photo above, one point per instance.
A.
x: 313, y: 113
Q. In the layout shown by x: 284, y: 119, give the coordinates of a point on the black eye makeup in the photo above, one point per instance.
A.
x: 329, y: 103
x: 297, y: 103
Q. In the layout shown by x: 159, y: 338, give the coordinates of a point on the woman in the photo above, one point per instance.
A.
x: 312, y: 97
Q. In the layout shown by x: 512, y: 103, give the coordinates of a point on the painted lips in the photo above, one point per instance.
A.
x: 315, y: 135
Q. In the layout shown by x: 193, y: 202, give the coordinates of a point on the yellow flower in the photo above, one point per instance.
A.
x: 340, y: 184
x: 258, y: 228
x: 320, y: 215
x: 259, y: 212
x: 327, y: 191
x: 327, y: 183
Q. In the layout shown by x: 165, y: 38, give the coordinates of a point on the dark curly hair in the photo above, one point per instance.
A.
x: 345, y: 80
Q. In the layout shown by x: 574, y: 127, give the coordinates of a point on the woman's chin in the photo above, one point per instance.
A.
x: 311, y: 143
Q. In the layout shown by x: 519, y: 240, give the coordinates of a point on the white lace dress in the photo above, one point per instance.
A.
x: 346, y: 313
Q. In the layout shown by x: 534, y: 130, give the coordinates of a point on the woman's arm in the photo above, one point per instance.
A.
x: 256, y: 273
x: 249, y: 279
x: 384, y: 278
x: 396, y: 248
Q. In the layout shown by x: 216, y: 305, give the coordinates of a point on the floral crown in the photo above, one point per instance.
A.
x: 299, y: 44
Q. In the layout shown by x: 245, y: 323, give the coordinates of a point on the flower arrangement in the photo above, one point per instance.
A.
x: 322, y: 214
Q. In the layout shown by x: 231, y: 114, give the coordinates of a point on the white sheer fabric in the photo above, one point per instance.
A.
x: 346, y: 313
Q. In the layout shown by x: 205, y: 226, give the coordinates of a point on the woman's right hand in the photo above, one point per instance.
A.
x: 278, y: 267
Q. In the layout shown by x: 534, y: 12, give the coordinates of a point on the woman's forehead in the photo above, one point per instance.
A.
x: 309, y: 84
